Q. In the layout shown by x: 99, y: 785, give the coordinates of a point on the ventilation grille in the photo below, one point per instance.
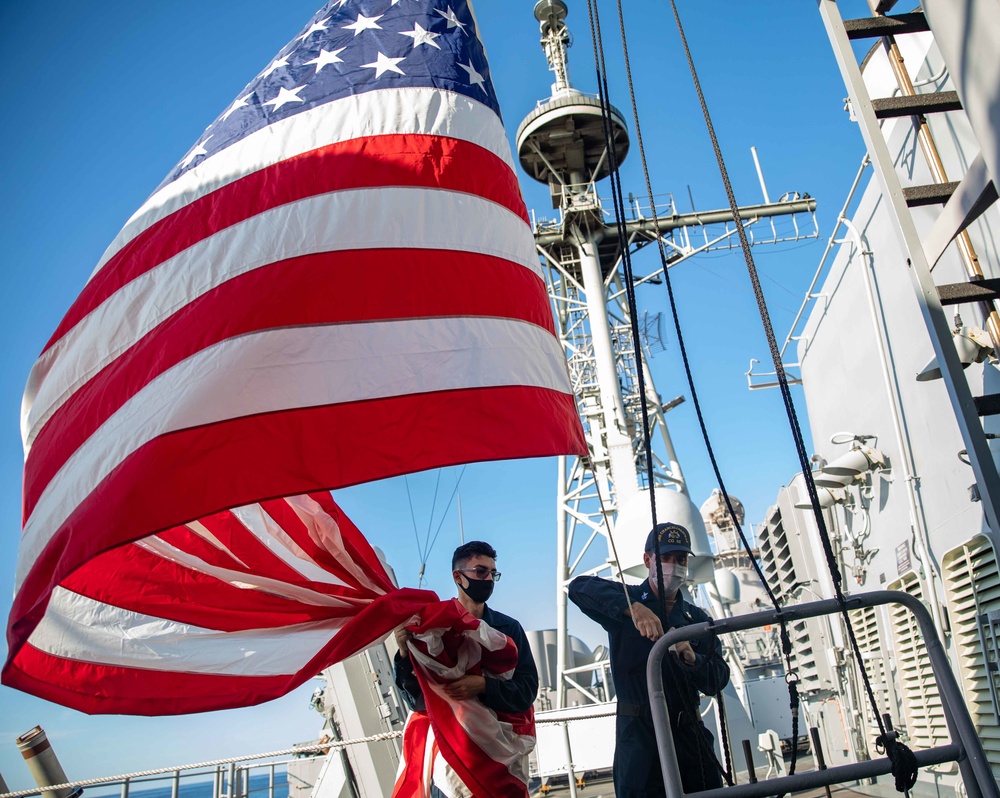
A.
x: 866, y: 629
x: 778, y: 564
x: 923, y: 715
x: 972, y: 582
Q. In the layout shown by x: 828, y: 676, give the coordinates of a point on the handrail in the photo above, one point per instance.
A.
x: 965, y: 747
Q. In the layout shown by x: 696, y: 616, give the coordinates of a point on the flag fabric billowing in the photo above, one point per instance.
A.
x: 236, y: 608
x: 463, y: 748
x: 336, y: 284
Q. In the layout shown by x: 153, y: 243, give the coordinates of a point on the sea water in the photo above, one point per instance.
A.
x: 190, y: 788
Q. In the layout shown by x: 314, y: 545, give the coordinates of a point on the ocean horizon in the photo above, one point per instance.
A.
x: 191, y: 788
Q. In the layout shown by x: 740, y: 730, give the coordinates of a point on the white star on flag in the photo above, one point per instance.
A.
x: 475, y: 79
x: 277, y: 63
x: 316, y: 26
x: 240, y: 102
x: 385, y: 64
x: 326, y: 57
x: 364, y: 23
x: 285, y: 96
x: 199, y: 150
x: 421, y: 36
x: 451, y: 17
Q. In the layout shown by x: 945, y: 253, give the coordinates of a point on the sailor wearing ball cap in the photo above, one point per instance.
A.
x: 633, y: 625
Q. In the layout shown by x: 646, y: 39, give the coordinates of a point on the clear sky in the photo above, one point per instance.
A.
x: 103, y: 98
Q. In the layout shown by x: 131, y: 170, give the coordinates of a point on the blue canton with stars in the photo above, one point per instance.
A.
x: 350, y: 47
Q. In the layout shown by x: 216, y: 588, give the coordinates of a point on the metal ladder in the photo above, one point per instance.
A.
x: 963, y: 200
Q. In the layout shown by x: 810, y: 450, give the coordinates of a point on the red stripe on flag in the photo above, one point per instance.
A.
x: 410, y: 783
x: 248, y: 549
x: 352, y: 539
x: 335, y: 446
x: 391, y: 160
x: 314, y: 289
x: 97, y: 688
x: 138, y: 580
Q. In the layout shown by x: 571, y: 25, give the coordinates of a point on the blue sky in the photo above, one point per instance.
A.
x: 105, y: 97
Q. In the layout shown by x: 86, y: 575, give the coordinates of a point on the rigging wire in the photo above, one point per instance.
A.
x: 423, y: 552
x: 413, y: 517
x: 444, y: 515
x: 617, y: 198
x: 903, y: 763
x: 626, y: 259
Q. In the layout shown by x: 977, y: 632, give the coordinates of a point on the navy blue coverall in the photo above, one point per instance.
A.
x: 637, y: 763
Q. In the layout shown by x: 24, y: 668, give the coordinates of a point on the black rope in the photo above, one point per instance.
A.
x: 720, y: 702
x: 691, y: 709
x: 785, y: 638
x: 895, y: 750
x: 619, y: 207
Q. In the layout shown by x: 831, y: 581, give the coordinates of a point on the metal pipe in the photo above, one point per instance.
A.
x: 966, y: 747
x: 748, y: 755
x: 175, y: 784
x: 696, y: 219
x: 562, y: 577
x: 42, y: 763
x: 619, y: 446
x: 896, y: 413
x: 760, y: 175
x: 928, y: 146
x: 818, y: 755
x: 865, y: 162
x: 570, y: 775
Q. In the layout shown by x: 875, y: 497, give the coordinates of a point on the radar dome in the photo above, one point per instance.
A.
x: 635, y: 520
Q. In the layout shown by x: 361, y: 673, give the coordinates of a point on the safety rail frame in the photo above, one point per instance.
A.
x: 965, y: 747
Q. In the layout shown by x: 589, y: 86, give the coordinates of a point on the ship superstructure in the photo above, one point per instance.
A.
x: 897, y: 357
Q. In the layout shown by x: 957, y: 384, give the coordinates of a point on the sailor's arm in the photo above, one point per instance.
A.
x: 518, y: 693
x: 600, y: 600
x: 709, y: 672
x: 405, y: 678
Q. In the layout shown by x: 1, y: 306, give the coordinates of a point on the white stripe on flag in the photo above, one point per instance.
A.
x: 79, y: 628
x: 259, y: 524
x: 241, y: 579
x: 283, y: 369
x: 372, y: 113
x: 360, y: 219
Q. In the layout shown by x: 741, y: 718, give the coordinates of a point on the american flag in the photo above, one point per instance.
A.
x: 463, y: 748
x: 336, y: 284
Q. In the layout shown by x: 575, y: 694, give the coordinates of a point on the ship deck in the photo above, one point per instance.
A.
x: 600, y: 786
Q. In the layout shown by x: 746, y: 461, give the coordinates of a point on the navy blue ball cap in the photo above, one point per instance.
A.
x: 673, y: 537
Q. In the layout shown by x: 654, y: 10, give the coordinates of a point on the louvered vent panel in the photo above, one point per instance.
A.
x: 779, y: 568
x: 865, y: 625
x: 972, y: 583
x: 924, y: 718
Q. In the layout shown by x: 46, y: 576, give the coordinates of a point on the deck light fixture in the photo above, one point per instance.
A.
x: 827, y: 497
x: 973, y: 346
x: 860, y: 459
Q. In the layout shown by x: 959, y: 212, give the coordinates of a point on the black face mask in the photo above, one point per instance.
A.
x: 479, y: 590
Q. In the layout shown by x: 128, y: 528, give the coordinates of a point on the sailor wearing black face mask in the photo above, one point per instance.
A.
x: 474, y: 570
x: 633, y: 625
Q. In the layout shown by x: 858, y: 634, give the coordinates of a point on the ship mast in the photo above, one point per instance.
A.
x: 562, y: 143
